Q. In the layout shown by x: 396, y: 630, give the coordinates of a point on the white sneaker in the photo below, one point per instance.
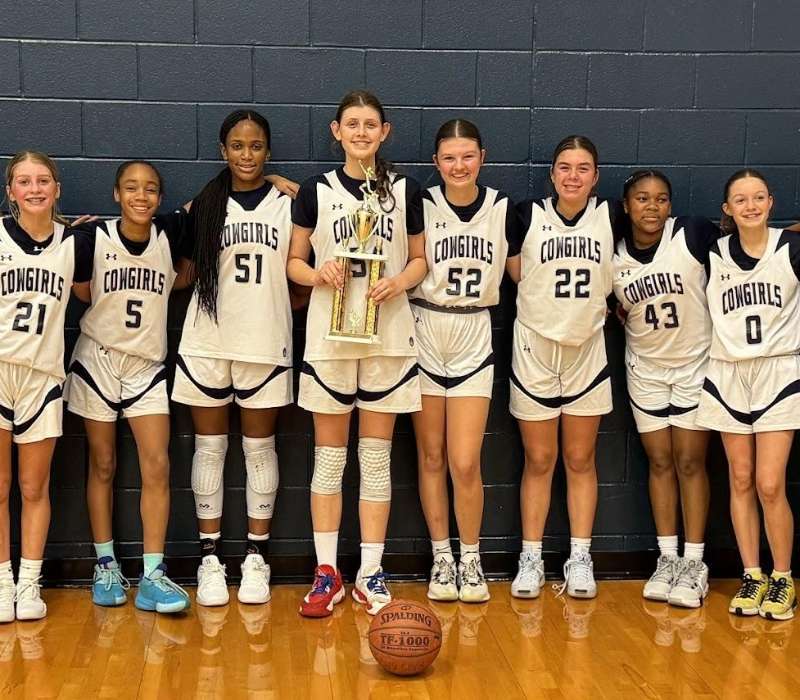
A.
x: 254, y: 588
x: 663, y: 579
x: 443, y: 579
x: 7, y: 593
x: 472, y: 587
x: 578, y: 577
x: 370, y: 590
x: 691, y: 584
x: 530, y: 577
x: 211, y: 587
x: 30, y: 605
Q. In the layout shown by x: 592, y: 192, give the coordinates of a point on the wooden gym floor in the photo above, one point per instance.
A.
x: 617, y: 646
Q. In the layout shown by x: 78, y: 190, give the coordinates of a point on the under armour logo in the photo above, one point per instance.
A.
x: 417, y: 319
x: 546, y: 227
x: 625, y: 273
x: 38, y: 248
x: 111, y: 256
x: 442, y: 224
x: 336, y: 206
x: 526, y: 348
x: 3, y: 258
x: 725, y: 276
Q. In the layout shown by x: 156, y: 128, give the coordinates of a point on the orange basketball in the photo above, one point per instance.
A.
x: 405, y: 637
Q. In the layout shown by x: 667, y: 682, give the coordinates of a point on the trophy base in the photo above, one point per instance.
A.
x: 363, y: 338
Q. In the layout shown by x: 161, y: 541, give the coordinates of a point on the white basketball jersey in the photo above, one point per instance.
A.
x: 130, y: 294
x: 566, y: 272
x: 395, y: 321
x: 466, y: 259
x: 754, y: 311
x: 254, y: 316
x: 34, y: 291
x: 668, y: 320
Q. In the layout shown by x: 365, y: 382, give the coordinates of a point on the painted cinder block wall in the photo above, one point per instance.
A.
x: 695, y: 88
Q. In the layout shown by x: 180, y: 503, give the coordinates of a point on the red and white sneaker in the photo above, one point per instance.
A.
x: 326, y: 591
x: 370, y: 590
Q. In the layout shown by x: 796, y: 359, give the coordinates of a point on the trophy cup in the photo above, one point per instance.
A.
x: 354, y: 316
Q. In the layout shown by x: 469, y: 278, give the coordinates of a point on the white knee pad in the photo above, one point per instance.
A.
x: 374, y: 457
x: 329, y: 465
x: 261, y: 462
x: 207, y: 465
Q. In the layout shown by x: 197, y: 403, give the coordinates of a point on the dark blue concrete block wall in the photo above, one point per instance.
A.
x: 696, y: 88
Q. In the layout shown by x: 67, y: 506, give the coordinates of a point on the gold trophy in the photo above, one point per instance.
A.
x: 354, y: 316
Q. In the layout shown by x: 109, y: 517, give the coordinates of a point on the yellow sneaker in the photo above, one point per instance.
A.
x: 749, y: 596
x: 780, y: 601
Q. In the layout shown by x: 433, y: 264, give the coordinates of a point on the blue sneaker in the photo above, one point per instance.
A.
x: 109, y: 585
x: 158, y: 592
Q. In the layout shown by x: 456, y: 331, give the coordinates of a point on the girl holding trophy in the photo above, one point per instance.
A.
x: 471, y: 231
x: 368, y: 360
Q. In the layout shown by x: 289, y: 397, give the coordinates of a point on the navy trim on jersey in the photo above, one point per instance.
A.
x: 52, y: 395
x: 247, y: 393
x: 749, y: 418
x: 365, y: 395
x: 80, y: 370
x: 342, y: 398
x: 669, y: 410
x: 7, y: 413
x: 250, y: 199
x: 209, y: 391
x: 559, y: 401
x: 452, y: 382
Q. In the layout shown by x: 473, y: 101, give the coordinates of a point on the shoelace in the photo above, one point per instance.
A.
x: 376, y: 583
x: 578, y: 569
x: 527, y: 570
x: 443, y: 571
x: 322, y: 584
x: 28, y: 588
x: 473, y: 576
x: 166, y: 584
x: 688, y: 573
x: 778, y: 591
x: 108, y: 577
x: 749, y: 587
x: 665, y: 570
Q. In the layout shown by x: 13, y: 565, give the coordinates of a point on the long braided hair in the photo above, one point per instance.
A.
x: 383, y: 184
x: 209, y: 209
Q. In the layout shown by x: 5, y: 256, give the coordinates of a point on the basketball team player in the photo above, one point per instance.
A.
x: 470, y: 231
x: 41, y: 260
x: 660, y: 280
x: 559, y: 372
x: 236, y: 346
x: 380, y: 379
x: 752, y: 389
x: 117, y: 367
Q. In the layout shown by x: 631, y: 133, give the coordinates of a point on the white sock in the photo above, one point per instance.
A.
x: 668, y: 546
x: 442, y: 548
x: 6, y: 574
x: 693, y: 550
x: 325, y: 544
x: 371, y: 555
x: 30, y: 569
x: 579, y: 545
x: 470, y: 551
x: 532, y: 547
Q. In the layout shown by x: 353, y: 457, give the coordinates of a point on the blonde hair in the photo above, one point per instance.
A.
x: 42, y: 159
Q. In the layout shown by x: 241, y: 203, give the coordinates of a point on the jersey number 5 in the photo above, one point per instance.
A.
x: 25, y: 312
x: 133, y: 309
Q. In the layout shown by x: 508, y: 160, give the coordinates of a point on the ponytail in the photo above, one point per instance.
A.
x: 209, y: 209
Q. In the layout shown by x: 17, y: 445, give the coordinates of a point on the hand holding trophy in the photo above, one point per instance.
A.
x: 354, y: 317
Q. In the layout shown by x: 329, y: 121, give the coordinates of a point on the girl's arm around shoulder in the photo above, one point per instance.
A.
x: 84, y: 262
